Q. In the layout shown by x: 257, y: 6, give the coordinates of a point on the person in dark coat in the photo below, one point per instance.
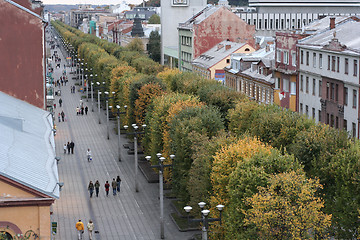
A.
x: 60, y: 102
x: 68, y: 147
x: 118, y: 181
x: 63, y: 116
x: 91, y: 188
x: 72, y: 145
x: 107, y: 187
x: 97, y: 188
x: 86, y: 110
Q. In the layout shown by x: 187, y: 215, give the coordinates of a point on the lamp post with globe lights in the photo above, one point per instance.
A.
x: 136, y: 133
x: 118, y: 127
x: 204, y: 217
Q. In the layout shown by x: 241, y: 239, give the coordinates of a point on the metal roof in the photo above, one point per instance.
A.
x: 26, y: 10
x: 27, y: 146
x: 347, y: 33
x: 217, y: 53
x: 200, y: 16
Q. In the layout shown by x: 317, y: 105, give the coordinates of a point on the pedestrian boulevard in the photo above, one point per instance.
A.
x: 128, y: 215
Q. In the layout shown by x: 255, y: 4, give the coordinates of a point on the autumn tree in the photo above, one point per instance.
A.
x: 288, y: 208
x: 136, y: 45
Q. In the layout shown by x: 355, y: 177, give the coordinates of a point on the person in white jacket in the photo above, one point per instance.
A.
x: 90, y: 227
x: 88, y: 155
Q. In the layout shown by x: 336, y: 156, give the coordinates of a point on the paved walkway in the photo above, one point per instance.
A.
x: 128, y: 215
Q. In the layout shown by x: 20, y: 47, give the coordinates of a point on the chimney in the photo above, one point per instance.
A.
x: 227, y: 47
x: 220, y: 46
x: 332, y: 23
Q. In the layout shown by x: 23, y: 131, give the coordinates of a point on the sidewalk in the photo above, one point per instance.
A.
x: 128, y: 215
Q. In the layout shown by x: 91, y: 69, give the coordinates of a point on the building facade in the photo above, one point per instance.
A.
x: 329, y: 76
x: 22, y: 47
x: 207, y: 28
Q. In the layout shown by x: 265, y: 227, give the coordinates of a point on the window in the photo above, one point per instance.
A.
x: 327, y: 90
x: 354, y: 98
x: 227, y: 60
x: 301, y: 83
x: 337, y: 122
x: 277, y: 83
x: 293, y: 88
x: 346, y: 66
x: 320, y: 86
x: 285, y: 85
x: 302, y: 57
x: 355, y: 67
x: 331, y: 120
x: 307, y: 58
x: 328, y: 62
x: 278, y: 55
x: 314, y: 59
x: 338, y: 64
x: 336, y: 92
x: 345, y: 96
x: 307, y: 110
x: 307, y: 84
x: 293, y: 58
x: 333, y: 61
x: 327, y: 118
x: 345, y: 125
x: 313, y: 86
x: 320, y: 60
x: 313, y: 113
x: 301, y: 108
x: 353, y: 130
x: 319, y: 116
x: 286, y: 57
x: 332, y: 91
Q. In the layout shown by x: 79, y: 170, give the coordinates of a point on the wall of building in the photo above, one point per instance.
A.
x: 22, y: 49
x: 172, y: 15
x: 219, y: 26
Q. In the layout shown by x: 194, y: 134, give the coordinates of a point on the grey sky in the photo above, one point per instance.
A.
x: 94, y: 2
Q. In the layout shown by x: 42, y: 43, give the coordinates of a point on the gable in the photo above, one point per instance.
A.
x: 11, y: 189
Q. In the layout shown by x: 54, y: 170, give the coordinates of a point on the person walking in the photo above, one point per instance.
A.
x: 80, y: 229
x: 91, y: 188
x: 86, y: 110
x: 88, y: 155
x: 97, y: 188
x: 60, y: 102
x: 114, y: 185
x: 77, y: 110
x: 65, y: 148
x: 107, y: 186
x: 68, y: 147
x: 59, y: 117
x: 118, y: 181
x: 72, y: 145
x: 90, y: 227
x: 63, y: 116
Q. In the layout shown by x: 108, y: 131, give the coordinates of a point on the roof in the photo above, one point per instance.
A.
x: 260, y: 77
x: 217, y: 53
x: 327, y: 3
x: 25, y: 9
x: 200, y: 16
x: 347, y: 33
x: 261, y: 54
x: 27, y: 147
x: 320, y: 24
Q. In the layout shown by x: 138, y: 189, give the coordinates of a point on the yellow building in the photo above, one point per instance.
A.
x: 211, y: 64
x: 29, y: 182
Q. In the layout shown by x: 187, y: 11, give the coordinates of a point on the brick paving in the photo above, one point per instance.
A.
x: 128, y: 215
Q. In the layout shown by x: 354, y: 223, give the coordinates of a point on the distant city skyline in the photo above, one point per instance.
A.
x: 93, y: 2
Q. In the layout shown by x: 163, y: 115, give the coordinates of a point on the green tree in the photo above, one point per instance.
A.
x: 136, y: 45
x: 288, y: 208
x: 154, y: 19
x: 153, y: 47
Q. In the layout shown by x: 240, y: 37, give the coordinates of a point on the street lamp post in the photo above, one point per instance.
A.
x: 118, y: 126
x: 135, y: 133
x: 99, y: 99
x: 161, y: 187
x: 107, y: 111
x: 204, y: 217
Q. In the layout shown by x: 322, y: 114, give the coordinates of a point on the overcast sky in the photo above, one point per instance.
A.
x: 94, y: 2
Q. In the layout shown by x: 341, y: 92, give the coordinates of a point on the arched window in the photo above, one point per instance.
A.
x: 5, y: 236
x: 247, y: 49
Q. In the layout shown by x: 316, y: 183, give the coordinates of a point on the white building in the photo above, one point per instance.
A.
x: 329, y: 75
x: 174, y: 12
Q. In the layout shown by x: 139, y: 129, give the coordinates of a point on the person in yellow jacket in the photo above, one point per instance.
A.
x: 80, y: 228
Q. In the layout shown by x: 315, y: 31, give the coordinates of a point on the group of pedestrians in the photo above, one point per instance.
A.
x: 80, y: 228
x: 115, y: 185
x: 62, y: 117
x: 69, y: 147
x: 81, y: 110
